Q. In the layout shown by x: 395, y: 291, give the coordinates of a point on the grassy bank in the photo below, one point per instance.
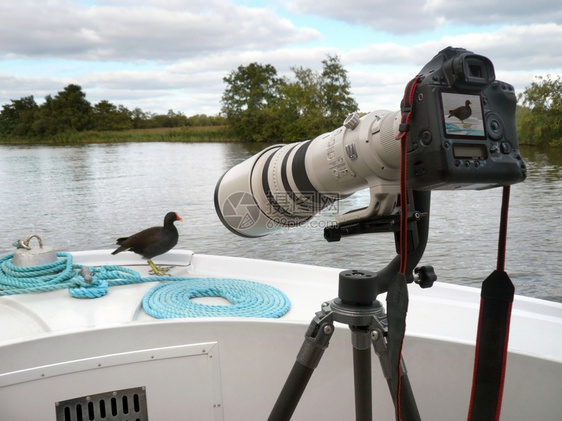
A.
x: 161, y: 134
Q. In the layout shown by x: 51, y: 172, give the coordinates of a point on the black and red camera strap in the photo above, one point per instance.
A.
x: 397, y: 295
x: 495, y: 303
x: 490, y: 358
x: 404, y: 128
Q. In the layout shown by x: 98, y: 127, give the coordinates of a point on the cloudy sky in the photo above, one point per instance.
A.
x: 173, y: 54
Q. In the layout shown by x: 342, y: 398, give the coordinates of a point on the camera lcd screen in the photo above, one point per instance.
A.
x: 464, y: 151
x: 462, y: 115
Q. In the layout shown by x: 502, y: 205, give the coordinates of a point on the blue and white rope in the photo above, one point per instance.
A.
x: 169, y: 300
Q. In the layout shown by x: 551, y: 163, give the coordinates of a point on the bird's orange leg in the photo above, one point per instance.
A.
x: 158, y: 271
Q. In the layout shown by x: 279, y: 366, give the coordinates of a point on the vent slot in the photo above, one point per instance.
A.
x: 119, y: 405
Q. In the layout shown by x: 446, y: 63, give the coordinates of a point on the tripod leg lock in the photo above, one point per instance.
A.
x: 361, y: 338
x: 316, y: 341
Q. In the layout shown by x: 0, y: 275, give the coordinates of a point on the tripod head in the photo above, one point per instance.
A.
x: 360, y: 286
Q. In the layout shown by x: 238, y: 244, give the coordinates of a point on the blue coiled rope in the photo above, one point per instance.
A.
x: 169, y: 300
x: 248, y: 299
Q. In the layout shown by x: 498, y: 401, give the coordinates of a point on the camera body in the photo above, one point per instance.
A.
x: 462, y: 131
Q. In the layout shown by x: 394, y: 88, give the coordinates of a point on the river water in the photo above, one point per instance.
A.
x: 84, y: 197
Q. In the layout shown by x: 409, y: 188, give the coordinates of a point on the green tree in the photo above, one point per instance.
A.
x: 249, y: 101
x: 16, y: 119
x: 302, y: 106
x: 177, y: 119
x: 260, y: 106
x: 171, y: 119
x: 541, y: 123
x: 107, y: 116
x: 68, y: 111
x: 73, y: 110
x: 336, y: 90
x: 46, y: 124
x: 141, y: 119
x: 199, y: 120
x: 315, y: 103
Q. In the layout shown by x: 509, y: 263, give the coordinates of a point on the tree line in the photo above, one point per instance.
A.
x: 70, y: 111
x: 257, y: 105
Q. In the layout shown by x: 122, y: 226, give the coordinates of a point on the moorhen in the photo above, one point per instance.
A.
x: 462, y: 112
x: 153, y: 241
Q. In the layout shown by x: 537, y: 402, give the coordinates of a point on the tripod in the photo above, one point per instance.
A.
x: 357, y: 307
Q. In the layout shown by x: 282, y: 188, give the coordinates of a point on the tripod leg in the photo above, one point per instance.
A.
x: 316, y: 341
x: 408, y: 407
x: 361, y: 341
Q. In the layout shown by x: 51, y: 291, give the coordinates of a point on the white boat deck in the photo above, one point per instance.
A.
x: 54, y: 347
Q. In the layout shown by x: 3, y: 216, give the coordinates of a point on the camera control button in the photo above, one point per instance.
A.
x: 494, y: 125
x: 505, y: 147
x: 426, y: 137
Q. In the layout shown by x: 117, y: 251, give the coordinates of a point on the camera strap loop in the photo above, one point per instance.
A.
x: 406, y: 107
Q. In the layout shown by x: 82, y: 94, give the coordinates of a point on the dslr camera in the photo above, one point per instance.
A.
x: 461, y: 135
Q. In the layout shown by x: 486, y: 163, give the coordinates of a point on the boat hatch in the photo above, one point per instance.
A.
x: 162, y: 383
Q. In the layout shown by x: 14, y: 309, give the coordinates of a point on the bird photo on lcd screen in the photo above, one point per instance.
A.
x: 462, y: 113
x: 152, y: 242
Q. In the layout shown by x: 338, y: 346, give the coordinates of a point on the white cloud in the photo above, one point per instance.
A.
x: 162, y: 54
x: 414, y: 16
x: 143, y: 31
x: 511, y: 47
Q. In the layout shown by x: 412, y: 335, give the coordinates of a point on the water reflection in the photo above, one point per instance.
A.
x: 84, y: 197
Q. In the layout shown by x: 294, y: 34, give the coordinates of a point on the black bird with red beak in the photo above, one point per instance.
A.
x: 152, y: 242
x: 462, y: 112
